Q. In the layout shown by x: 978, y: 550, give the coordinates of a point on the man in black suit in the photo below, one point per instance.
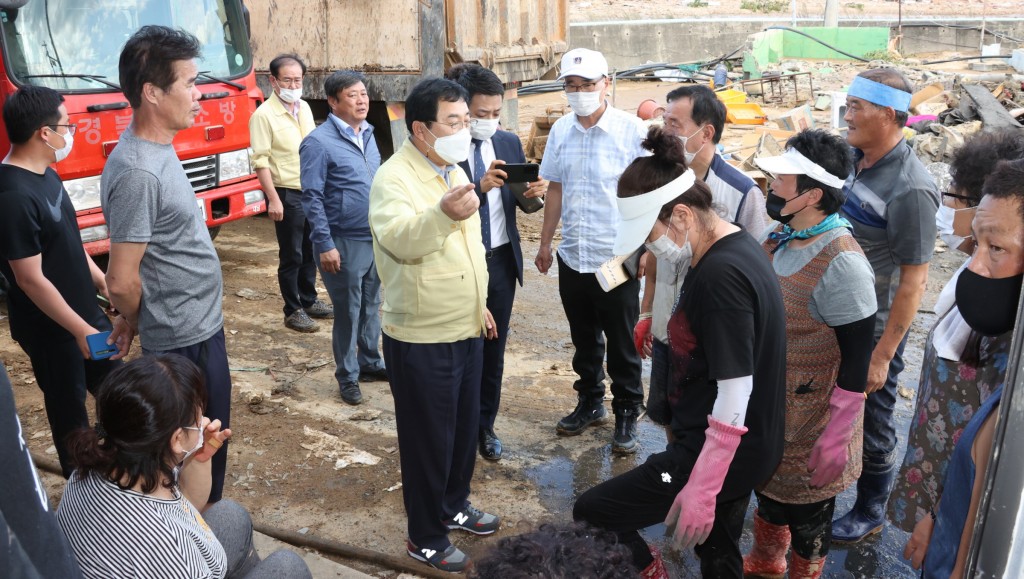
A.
x: 490, y: 149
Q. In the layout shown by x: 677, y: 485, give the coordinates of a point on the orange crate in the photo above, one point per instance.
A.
x: 745, y: 114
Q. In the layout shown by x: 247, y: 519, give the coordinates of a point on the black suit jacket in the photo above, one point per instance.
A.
x: 508, y: 148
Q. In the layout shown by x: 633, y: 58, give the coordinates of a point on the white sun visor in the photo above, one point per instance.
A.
x: 792, y: 162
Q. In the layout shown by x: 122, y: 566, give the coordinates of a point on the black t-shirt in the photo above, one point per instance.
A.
x: 31, y: 542
x: 37, y: 217
x: 730, y: 322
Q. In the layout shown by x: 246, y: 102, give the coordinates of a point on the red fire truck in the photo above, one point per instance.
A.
x: 73, y: 47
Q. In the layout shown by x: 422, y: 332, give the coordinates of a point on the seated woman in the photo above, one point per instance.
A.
x: 961, y: 368
x: 987, y: 294
x: 132, y: 507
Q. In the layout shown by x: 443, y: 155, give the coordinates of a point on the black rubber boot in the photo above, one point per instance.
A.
x: 868, y: 514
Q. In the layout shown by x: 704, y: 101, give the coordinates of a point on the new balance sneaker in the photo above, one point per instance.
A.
x: 321, y: 309
x: 451, y: 559
x: 474, y: 520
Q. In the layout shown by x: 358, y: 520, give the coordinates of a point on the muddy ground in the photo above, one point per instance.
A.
x: 293, y: 434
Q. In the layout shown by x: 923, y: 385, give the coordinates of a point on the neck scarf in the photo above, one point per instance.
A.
x: 788, y: 233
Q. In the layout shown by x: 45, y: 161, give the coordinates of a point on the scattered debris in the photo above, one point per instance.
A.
x: 330, y: 447
x: 393, y: 487
x: 365, y: 415
x: 251, y: 294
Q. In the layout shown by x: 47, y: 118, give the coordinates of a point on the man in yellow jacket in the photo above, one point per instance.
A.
x: 430, y: 256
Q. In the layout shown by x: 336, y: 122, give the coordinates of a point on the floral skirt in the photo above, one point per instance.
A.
x: 947, y: 397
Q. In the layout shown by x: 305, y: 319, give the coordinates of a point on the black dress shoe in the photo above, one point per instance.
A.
x: 351, y: 394
x: 378, y: 375
x: 490, y: 445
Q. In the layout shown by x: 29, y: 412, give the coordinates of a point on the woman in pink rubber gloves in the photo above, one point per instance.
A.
x: 727, y: 344
x: 829, y: 292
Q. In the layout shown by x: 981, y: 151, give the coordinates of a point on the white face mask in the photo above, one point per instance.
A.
x: 453, y: 149
x: 944, y: 222
x: 584, y: 104
x: 691, y: 156
x: 63, y: 152
x: 665, y: 249
x: 483, y: 129
x: 289, y: 95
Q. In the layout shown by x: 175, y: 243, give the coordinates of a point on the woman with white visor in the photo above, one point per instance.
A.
x: 829, y: 293
x: 727, y: 353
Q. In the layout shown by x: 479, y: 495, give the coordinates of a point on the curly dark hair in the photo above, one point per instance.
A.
x: 832, y: 153
x: 140, y: 406
x: 978, y: 157
x: 557, y: 552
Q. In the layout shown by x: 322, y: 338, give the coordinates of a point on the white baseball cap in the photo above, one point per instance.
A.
x: 583, y: 62
x: 792, y: 162
x: 641, y: 211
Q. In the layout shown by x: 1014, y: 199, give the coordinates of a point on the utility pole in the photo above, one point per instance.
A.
x: 831, y: 13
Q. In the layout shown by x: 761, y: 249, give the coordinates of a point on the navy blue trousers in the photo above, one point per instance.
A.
x: 437, y: 409
x: 211, y: 355
x: 501, y: 291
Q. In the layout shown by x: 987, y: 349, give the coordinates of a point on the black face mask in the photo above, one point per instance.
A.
x: 773, y: 205
x: 989, y: 306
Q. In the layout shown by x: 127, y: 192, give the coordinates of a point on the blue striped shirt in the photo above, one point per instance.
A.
x: 588, y: 163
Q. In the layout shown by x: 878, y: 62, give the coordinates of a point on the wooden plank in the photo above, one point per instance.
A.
x: 993, y: 115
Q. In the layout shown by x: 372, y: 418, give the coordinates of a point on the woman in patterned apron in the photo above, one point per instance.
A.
x: 828, y: 290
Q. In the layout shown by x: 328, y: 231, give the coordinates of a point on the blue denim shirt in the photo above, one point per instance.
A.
x: 336, y: 178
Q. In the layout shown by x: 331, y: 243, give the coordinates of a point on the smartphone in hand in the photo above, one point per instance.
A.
x: 99, y: 349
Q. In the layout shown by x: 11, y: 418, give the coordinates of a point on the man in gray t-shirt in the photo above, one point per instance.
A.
x: 148, y: 200
x: 164, y: 274
x: 891, y: 201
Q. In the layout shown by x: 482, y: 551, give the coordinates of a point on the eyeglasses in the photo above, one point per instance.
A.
x: 456, y: 126
x: 585, y: 87
x: 965, y: 198
x: 71, y: 128
x: 290, y: 82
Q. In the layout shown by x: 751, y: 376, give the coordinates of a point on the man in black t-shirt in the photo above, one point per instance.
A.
x: 53, y: 283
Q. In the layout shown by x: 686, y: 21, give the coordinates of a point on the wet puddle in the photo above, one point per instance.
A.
x: 560, y: 479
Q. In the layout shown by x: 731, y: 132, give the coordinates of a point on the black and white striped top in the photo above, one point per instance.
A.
x: 118, y: 533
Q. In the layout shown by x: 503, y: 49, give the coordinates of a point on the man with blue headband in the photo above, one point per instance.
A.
x: 891, y: 201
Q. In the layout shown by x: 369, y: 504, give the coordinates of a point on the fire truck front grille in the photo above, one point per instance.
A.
x: 202, y: 172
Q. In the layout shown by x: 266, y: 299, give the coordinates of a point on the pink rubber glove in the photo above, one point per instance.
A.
x: 830, y: 455
x: 641, y: 335
x: 693, y: 512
